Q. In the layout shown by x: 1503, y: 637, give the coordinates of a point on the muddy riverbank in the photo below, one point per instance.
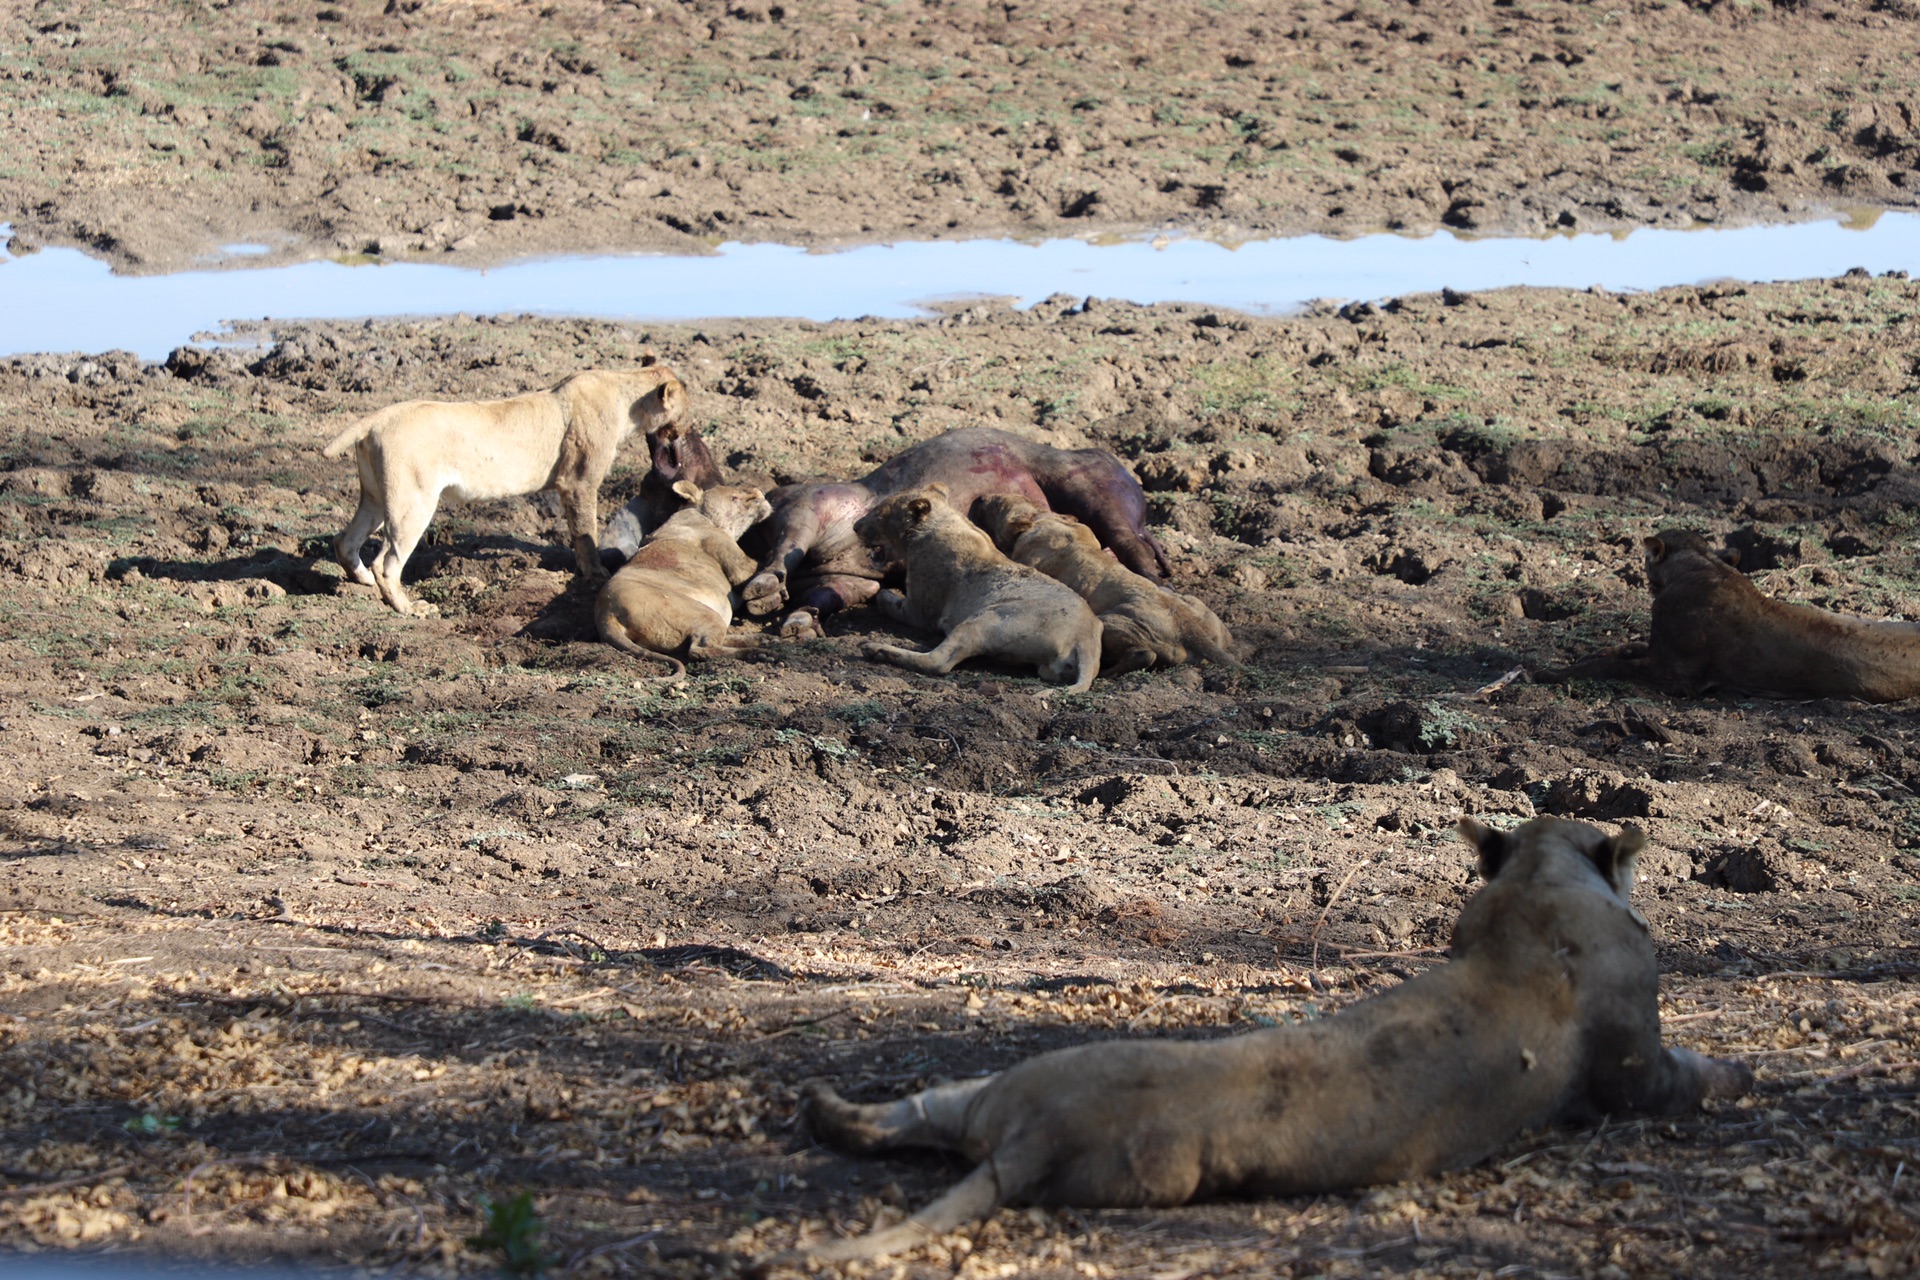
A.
x: 155, y: 133
x: 321, y: 924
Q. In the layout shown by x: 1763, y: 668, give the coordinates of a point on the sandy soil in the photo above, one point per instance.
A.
x: 155, y: 131
x: 320, y: 925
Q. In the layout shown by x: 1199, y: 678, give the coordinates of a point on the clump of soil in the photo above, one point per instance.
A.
x: 417, y: 128
x: 322, y: 925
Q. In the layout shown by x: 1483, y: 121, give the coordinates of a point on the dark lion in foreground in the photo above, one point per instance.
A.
x: 1548, y: 1012
x: 1713, y: 629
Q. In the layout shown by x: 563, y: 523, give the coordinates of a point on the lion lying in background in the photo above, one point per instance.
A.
x: 1548, y: 1011
x: 563, y: 439
x: 1142, y: 623
x: 1713, y: 629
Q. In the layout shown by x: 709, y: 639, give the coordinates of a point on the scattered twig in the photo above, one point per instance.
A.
x: 800, y: 1026
x: 1314, y: 965
x: 1865, y: 1069
x: 1486, y: 691
x: 953, y: 740
x: 615, y: 1247
x: 1345, y: 954
x: 530, y: 943
x: 186, y: 1184
x: 83, y: 1180
x: 419, y: 1218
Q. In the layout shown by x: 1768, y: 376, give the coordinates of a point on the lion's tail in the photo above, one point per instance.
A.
x: 614, y: 634
x: 970, y: 1199
x: 352, y: 436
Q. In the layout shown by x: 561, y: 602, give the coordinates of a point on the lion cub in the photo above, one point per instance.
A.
x: 1713, y: 629
x: 563, y: 439
x: 1548, y: 1011
x: 1142, y: 624
x: 985, y: 604
x: 678, y: 588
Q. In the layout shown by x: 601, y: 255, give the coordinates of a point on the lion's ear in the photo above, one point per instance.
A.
x: 918, y: 509
x: 647, y: 358
x: 687, y: 489
x: 1491, y: 845
x: 1618, y: 855
x: 757, y: 495
x: 1656, y: 549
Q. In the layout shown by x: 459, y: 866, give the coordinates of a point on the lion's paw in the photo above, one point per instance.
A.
x: 802, y: 624
x: 764, y: 593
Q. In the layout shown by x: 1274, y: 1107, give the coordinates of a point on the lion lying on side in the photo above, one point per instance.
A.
x: 985, y: 604
x: 1548, y: 1011
x: 563, y: 439
x: 678, y: 590
x: 1142, y: 624
x: 1713, y: 629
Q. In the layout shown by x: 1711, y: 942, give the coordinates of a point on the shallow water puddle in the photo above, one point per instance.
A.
x: 62, y: 300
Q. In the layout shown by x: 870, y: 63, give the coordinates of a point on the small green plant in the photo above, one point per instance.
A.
x: 1445, y: 727
x: 521, y: 1001
x: 151, y: 1125
x: 860, y: 714
x: 513, y: 1230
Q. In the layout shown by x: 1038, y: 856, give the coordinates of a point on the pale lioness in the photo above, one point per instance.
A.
x: 1142, y: 623
x: 563, y: 439
x: 677, y: 592
x: 985, y: 604
x: 1548, y: 1011
x: 1713, y: 629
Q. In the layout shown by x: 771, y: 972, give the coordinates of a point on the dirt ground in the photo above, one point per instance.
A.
x: 154, y: 131
x: 320, y: 925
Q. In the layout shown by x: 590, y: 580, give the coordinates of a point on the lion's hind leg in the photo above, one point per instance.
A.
x: 1621, y: 662
x: 934, y: 1117
x: 369, y: 516
x: 723, y: 645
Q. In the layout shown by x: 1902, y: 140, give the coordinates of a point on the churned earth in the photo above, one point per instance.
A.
x: 155, y: 131
x: 321, y: 926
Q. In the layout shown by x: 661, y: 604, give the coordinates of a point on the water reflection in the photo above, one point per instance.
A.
x: 61, y: 300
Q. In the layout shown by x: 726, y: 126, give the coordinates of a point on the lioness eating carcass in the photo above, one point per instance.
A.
x: 811, y: 544
x: 1713, y: 629
x: 1548, y: 1011
x: 677, y: 590
x: 1142, y: 623
x: 563, y: 439
x: 984, y: 604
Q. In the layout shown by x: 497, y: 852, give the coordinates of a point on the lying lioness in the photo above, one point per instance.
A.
x: 563, y: 439
x: 1713, y: 629
x: 677, y: 590
x: 985, y: 604
x: 1142, y: 624
x: 1548, y: 1011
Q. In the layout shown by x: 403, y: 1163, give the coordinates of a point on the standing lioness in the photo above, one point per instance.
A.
x: 563, y: 439
x: 1548, y: 1011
